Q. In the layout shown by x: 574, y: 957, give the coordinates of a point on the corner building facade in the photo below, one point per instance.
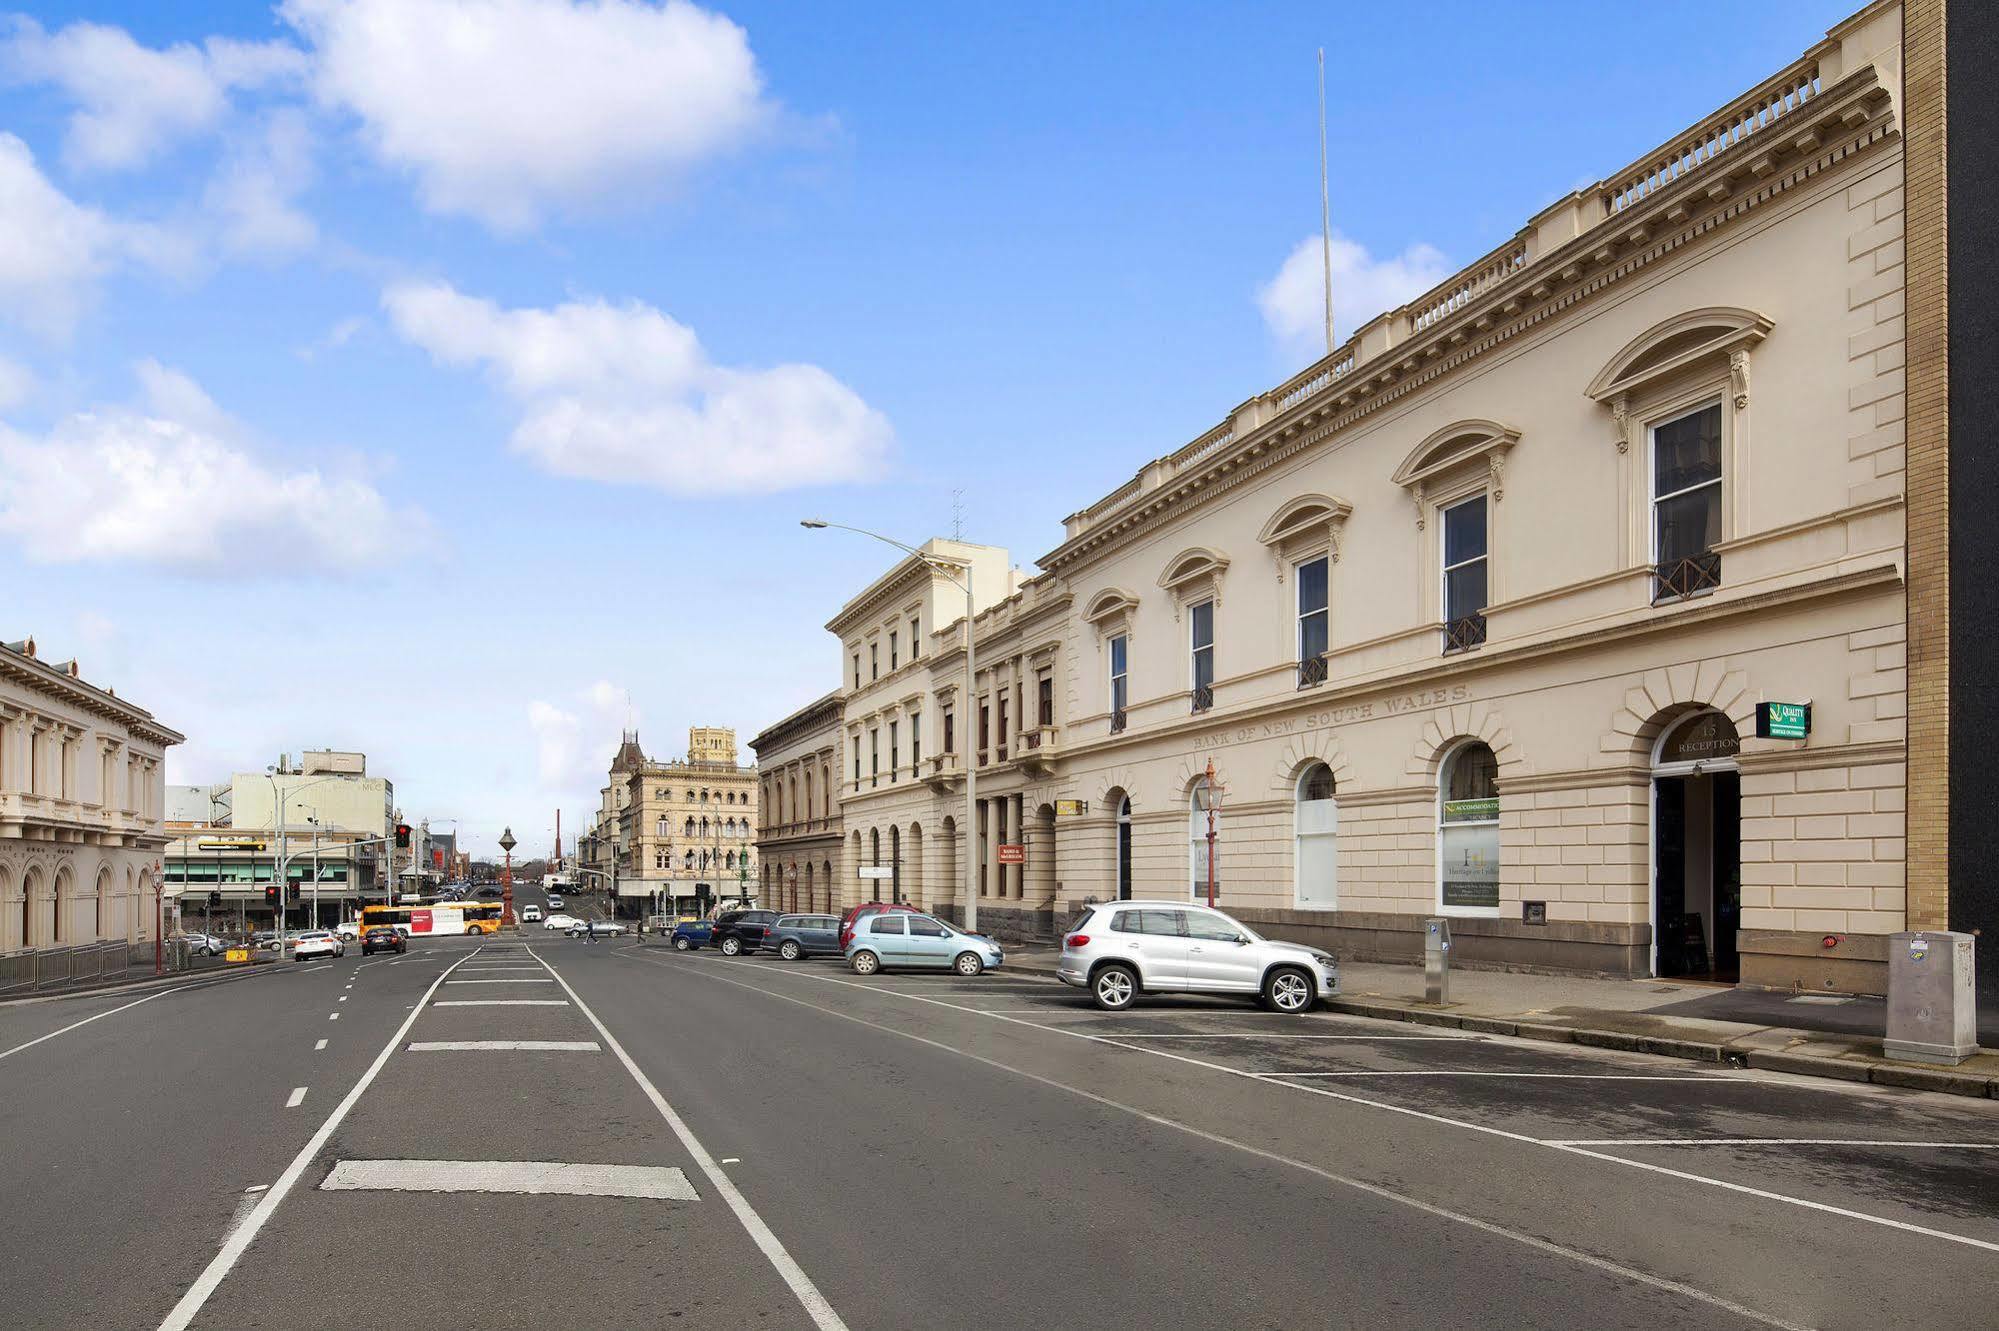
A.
x: 1473, y: 617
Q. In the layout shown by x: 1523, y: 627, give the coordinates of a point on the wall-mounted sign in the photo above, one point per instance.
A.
x: 1471, y: 811
x: 229, y: 845
x: 877, y: 871
x: 1704, y: 738
x: 1783, y: 720
x: 1012, y: 854
x: 1071, y: 808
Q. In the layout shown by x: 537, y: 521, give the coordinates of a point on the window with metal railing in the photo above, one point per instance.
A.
x: 1464, y: 563
x: 1686, y: 504
x: 1201, y: 639
x: 1314, y: 620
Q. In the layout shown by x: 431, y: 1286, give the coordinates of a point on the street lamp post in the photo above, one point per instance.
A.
x: 507, y: 844
x: 1211, y: 792
x: 282, y: 802
x: 965, y: 704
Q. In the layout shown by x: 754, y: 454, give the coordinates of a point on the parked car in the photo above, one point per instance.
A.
x: 348, y: 931
x: 204, y: 945
x: 555, y: 901
x: 596, y: 929
x: 530, y: 914
x: 907, y: 939
x: 1123, y: 949
x: 866, y: 908
x: 266, y: 940
x: 740, y: 931
x: 382, y: 938
x: 795, y: 936
x: 690, y: 934
x: 557, y: 920
x: 317, y: 943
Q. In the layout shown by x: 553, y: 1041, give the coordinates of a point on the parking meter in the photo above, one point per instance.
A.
x: 1437, y: 961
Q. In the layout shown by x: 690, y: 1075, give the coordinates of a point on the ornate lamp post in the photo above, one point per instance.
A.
x: 507, y: 844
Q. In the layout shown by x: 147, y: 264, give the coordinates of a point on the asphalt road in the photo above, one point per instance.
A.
x: 754, y: 1143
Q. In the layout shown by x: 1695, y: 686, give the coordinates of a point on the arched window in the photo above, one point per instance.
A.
x: 1317, y: 826
x: 660, y: 828
x: 704, y: 827
x: 689, y: 860
x: 1124, y: 848
x: 690, y: 797
x: 895, y: 863
x: 690, y: 827
x: 875, y: 846
x: 1197, y: 831
x: 61, y: 903
x: 1468, y: 830
x: 730, y: 859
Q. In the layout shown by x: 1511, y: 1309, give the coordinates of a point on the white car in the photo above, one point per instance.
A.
x: 348, y: 931
x: 596, y: 929
x: 317, y: 943
x: 530, y: 914
x: 1121, y: 949
x: 560, y: 921
x: 555, y: 901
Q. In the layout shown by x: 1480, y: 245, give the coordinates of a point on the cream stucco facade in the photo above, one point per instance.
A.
x: 801, y: 857
x: 82, y: 796
x: 1472, y: 617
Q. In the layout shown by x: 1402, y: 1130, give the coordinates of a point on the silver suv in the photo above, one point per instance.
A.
x: 1121, y: 949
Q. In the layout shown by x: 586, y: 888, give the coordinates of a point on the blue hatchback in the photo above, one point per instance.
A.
x: 691, y: 934
x: 895, y: 939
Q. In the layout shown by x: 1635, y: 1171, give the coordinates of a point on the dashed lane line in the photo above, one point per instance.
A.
x: 1773, y: 1141
x: 241, y: 1236
x: 297, y: 1098
x: 321, y: 1045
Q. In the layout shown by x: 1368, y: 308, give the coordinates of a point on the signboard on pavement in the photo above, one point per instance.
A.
x: 1012, y: 854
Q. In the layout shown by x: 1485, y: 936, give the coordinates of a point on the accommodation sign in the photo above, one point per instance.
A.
x: 1783, y: 720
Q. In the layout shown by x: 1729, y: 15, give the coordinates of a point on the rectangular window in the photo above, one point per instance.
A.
x: 1463, y: 534
x: 1313, y: 621
x: 1201, y: 621
x: 857, y: 762
x: 893, y: 750
x: 1120, y: 681
x: 891, y: 649
x: 950, y: 731
x: 916, y: 742
x: 857, y: 670
x: 915, y: 641
x: 1044, y: 704
x: 1002, y: 725
x: 874, y: 756
x: 1686, y: 503
x: 985, y: 728
x: 874, y: 661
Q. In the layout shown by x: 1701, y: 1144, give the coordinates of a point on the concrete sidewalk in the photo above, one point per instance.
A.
x: 1822, y: 1035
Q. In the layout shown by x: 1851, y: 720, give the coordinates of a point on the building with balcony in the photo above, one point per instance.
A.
x: 82, y: 799
x: 677, y: 833
x: 1478, y: 616
x: 800, y: 853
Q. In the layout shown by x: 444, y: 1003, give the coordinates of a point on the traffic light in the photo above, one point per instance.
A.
x: 271, y: 894
x: 402, y: 836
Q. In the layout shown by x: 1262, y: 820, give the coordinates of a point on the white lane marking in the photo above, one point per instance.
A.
x: 298, y: 1098
x: 333, y: 1016
x: 1772, y: 1141
x: 659, y: 1183
x: 560, y: 1046
x: 341, y: 999
x: 1461, y: 1124
x: 501, y: 1002
x: 815, y: 1304
x: 239, y: 1239
x: 732, y: 1159
x: 1360, y: 1185
x: 1554, y: 1076
x: 1259, y: 1035
x: 321, y: 1045
x: 258, y: 1187
x: 543, y: 980
x: 109, y: 1012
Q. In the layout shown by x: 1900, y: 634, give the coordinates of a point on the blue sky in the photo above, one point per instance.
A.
x: 427, y: 376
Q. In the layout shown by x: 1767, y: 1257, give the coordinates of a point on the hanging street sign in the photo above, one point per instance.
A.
x: 1012, y: 854
x: 1071, y: 808
x: 1783, y: 720
x: 877, y: 871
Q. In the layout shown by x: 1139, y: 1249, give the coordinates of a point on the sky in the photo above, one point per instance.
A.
x: 445, y: 379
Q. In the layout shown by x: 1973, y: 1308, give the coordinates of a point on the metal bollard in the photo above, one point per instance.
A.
x: 1437, y: 961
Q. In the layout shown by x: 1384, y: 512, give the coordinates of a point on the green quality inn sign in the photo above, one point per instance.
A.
x: 1783, y: 720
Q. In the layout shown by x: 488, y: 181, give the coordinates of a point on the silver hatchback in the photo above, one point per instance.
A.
x: 1122, y: 949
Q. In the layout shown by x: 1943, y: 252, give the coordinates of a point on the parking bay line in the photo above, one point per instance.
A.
x: 1772, y: 1141
x: 532, y: 1046
x: 651, y: 1182
x: 1551, y: 1076
x: 816, y: 1305
x: 1360, y: 1185
x: 241, y: 1236
x: 1764, y: 1194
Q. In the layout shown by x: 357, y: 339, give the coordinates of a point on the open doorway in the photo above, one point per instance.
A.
x: 1697, y: 850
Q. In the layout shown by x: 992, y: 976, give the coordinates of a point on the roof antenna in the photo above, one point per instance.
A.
x: 957, y: 515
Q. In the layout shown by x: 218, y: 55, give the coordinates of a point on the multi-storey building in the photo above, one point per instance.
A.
x: 1479, y: 615
x: 82, y: 796
x: 800, y: 853
x: 684, y: 829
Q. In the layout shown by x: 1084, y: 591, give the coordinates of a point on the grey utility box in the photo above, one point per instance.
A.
x: 1436, y: 961
x: 1932, y: 1015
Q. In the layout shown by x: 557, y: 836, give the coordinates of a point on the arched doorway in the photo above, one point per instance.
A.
x: 1316, y: 826
x: 59, y: 916
x: 827, y: 890
x: 894, y: 861
x: 31, y: 888
x: 1123, y: 847
x: 1041, y: 867
x: 948, y: 873
x: 913, y: 881
x: 1696, y: 848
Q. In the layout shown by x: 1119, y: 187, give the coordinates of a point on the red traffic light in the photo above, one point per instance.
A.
x: 271, y: 893
x: 402, y: 836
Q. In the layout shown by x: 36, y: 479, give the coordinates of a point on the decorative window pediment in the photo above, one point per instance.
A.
x: 1306, y: 525
x: 1705, y: 340
x: 1194, y: 574
x: 1450, y: 453
x: 1109, y: 607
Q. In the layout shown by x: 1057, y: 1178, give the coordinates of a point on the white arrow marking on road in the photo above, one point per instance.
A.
x: 560, y: 1046
x: 521, y: 1176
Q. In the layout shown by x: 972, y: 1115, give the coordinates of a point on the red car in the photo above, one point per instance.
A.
x: 855, y: 914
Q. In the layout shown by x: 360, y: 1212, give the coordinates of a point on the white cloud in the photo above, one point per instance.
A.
x: 172, y: 482
x: 1294, y: 301
x: 253, y: 193
x: 52, y: 251
x: 17, y: 384
x: 574, y: 740
x: 623, y: 393
x: 509, y: 109
x: 133, y: 101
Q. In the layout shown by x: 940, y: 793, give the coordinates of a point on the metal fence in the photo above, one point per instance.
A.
x: 43, y: 968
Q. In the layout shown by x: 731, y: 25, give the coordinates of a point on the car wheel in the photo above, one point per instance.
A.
x: 968, y: 963
x: 790, y: 950
x: 1115, y: 988
x: 866, y: 963
x: 682, y: 945
x: 1289, y: 991
x: 732, y: 946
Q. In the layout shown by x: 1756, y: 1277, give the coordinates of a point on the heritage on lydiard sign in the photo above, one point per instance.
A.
x: 1783, y: 720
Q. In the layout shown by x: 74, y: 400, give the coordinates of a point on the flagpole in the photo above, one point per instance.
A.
x: 1325, y: 205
